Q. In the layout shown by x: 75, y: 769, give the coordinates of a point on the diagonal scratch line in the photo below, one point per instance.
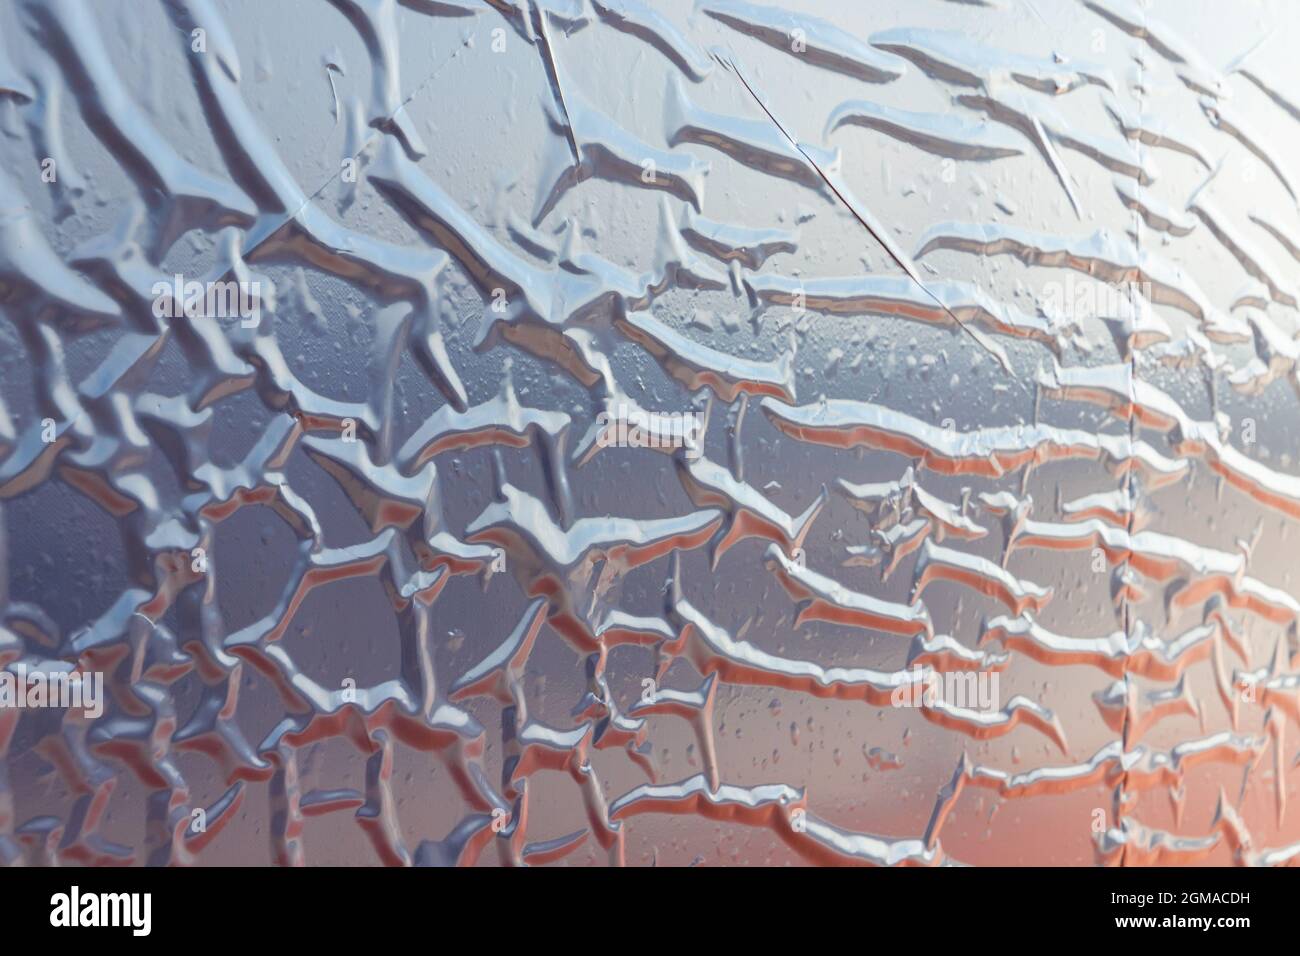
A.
x: 379, y: 133
x: 1034, y: 10
x: 376, y: 136
x: 552, y: 67
x: 886, y: 245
